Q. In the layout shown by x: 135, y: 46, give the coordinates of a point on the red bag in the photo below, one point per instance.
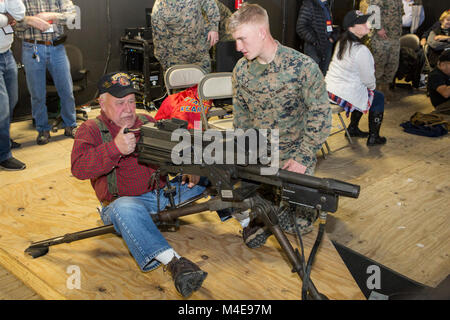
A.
x: 184, y: 105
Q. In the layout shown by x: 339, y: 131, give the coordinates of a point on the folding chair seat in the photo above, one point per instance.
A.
x: 213, y: 86
x: 182, y: 76
x: 336, y: 109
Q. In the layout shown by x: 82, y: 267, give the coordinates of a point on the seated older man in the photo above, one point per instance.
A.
x: 104, y: 153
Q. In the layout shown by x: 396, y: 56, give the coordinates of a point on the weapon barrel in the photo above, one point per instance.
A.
x: 324, y: 184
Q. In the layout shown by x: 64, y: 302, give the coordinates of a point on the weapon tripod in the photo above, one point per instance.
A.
x: 167, y: 220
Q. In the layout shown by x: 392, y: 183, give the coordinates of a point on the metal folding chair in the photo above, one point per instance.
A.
x: 215, y: 86
x: 182, y: 76
x: 336, y: 109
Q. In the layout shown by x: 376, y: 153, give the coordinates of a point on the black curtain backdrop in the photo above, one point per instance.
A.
x: 104, y: 22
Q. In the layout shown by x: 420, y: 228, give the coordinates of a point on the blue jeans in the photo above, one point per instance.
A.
x: 8, y: 100
x: 378, y: 102
x: 131, y: 219
x: 54, y: 59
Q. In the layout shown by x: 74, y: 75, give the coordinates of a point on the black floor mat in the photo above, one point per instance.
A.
x: 379, y: 282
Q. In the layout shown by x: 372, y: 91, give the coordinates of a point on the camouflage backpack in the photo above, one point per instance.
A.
x: 428, y: 119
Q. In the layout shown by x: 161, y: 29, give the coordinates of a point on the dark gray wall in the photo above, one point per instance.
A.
x: 100, y: 29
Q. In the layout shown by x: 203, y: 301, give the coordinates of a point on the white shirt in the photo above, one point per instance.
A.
x: 414, y: 15
x: 16, y: 9
x: 350, y: 77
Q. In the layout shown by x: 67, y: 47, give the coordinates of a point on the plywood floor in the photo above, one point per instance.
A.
x: 45, y: 201
x: 400, y: 220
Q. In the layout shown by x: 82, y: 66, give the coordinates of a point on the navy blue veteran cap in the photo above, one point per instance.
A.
x: 117, y: 84
x: 354, y: 17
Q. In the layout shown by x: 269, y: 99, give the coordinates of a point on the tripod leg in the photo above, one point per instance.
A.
x: 270, y: 219
x: 40, y: 248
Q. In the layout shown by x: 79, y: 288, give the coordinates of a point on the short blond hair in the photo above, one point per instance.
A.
x: 248, y: 13
x: 444, y: 15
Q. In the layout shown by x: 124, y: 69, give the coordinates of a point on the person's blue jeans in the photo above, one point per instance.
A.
x: 378, y: 102
x: 54, y: 59
x: 8, y: 100
x: 131, y: 219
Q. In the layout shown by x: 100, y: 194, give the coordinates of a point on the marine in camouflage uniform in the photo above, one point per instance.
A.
x: 224, y: 35
x: 225, y: 13
x: 288, y: 94
x: 386, y: 52
x: 180, y: 31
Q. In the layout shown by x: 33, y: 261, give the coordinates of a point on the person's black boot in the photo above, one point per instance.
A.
x: 375, y: 120
x: 187, y: 276
x: 353, y: 129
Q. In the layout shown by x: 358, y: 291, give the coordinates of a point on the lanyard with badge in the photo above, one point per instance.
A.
x: 329, y: 26
x: 327, y: 11
x: 7, y: 29
x: 49, y: 30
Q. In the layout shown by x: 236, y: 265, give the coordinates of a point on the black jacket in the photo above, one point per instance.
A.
x: 312, y: 26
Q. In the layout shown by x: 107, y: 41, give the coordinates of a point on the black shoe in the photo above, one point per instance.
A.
x: 43, y: 137
x: 12, y: 164
x: 374, y: 140
x: 70, y: 132
x: 15, y: 145
x: 375, y: 120
x: 304, y: 218
x: 255, y: 234
x: 355, y: 132
x: 187, y: 276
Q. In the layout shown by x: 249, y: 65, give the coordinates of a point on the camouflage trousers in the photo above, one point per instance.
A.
x: 301, y: 216
x: 386, y: 54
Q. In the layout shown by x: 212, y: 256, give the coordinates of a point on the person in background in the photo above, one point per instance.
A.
x: 424, y: 37
x: 439, y: 38
x: 42, y: 32
x: 413, y: 17
x: 11, y: 11
x: 385, y: 42
x: 315, y: 28
x: 225, y: 14
x: 439, y: 84
x: 181, y: 34
x: 351, y: 79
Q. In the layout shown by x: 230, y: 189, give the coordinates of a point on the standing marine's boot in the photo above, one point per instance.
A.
x: 353, y: 129
x: 375, y: 120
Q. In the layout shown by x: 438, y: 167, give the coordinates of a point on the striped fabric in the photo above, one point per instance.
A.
x: 65, y: 8
x: 348, y: 106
